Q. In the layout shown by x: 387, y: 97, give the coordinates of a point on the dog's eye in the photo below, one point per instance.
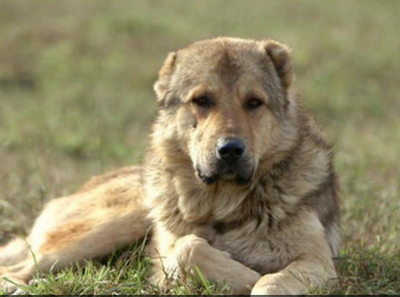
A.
x: 203, y: 101
x: 253, y: 103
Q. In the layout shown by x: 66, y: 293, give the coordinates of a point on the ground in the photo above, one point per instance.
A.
x: 76, y: 100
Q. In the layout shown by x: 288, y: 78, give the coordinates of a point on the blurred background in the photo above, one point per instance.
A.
x: 76, y: 94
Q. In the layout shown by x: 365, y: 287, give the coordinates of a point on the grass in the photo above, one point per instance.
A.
x: 76, y: 100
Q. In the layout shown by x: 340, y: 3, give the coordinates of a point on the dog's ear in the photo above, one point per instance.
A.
x: 282, y: 60
x: 164, y: 78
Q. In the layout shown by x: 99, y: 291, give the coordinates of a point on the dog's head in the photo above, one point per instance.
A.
x: 226, y: 104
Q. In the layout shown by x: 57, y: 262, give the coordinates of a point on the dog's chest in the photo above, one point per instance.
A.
x: 263, y: 254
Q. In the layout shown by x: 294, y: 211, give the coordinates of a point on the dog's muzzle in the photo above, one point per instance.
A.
x: 232, y: 162
x: 230, y: 150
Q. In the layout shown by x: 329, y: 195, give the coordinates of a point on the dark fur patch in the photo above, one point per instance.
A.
x: 285, y: 165
x: 228, y: 69
x: 325, y: 200
x: 223, y: 227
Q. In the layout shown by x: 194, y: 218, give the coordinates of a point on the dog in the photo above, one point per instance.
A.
x: 238, y: 182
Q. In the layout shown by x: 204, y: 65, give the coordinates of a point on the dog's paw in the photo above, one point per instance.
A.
x: 19, y: 291
x: 37, y: 281
x: 12, y: 284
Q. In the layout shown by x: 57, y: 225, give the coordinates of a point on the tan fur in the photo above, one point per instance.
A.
x: 271, y: 227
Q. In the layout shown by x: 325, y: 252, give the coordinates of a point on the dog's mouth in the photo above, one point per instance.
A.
x: 228, y: 175
x: 207, y: 179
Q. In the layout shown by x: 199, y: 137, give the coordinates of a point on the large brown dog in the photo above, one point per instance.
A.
x: 238, y: 181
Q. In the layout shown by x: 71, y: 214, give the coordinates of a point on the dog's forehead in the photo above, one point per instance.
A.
x: 223, y: 53
x: 222, y: 43
x: 226, y: 58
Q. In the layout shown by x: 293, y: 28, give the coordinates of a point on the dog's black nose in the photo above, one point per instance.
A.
x: 230, y: 149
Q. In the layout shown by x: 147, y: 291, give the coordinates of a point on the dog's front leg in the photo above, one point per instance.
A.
x: 309, y: 269
x: 192, y: 251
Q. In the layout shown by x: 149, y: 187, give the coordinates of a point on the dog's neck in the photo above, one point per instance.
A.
x: 271, y: 185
